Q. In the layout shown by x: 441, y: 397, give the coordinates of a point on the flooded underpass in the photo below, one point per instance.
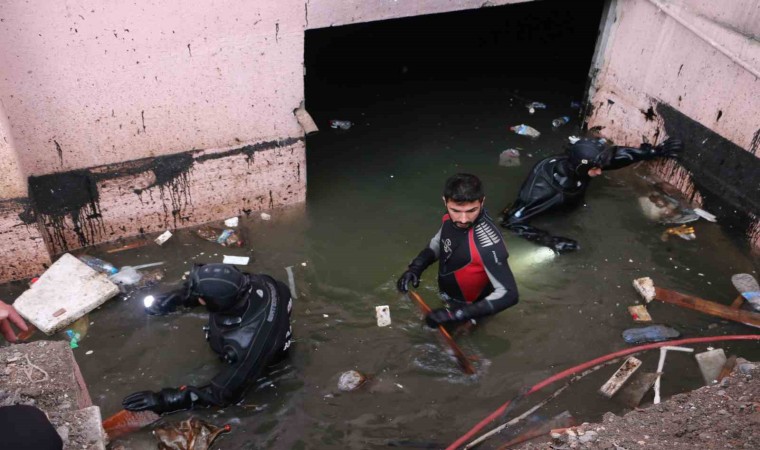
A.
x: 374, y: 201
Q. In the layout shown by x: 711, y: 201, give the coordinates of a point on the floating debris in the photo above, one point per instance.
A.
x: 351, y: 380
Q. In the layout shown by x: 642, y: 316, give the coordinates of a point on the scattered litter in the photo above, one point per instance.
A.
x: 661, y: 366
x: 76, y: 288
x: 325, y: 316
x: 89, y: 352
x: 127, y: 276
x: 639, y: 313
x: 652, y: 333
x: 124, y: 422
x: 383, y: 314
x: 559, y: 121
x: 73, y: 338
x: 705, y: 215
x: 573, y: 139
x: 303, y: 264
x: 728, y: 367
x: 226, y: 237
x: 232, y: 222
x: 509, y: 158
x: 164, y: 237
x: 265, y: 216
x: 620, y: 377
x: 399, y: 386
x: 748, y: 287
x: 190, y: 434
x: 236, y: 260
x: 633, y: 392
x: 351, y: 380
x: 535, y: 105
x: 129, y: 246
x: 645, y: 288
x: 525, y: 130
x: 98, y: 264
x: 341, y: 124
x: 684, y: 232
x: 710, y: 364
x: 291, y: 282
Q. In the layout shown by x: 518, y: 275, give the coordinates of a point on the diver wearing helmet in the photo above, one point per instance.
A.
x: 248, y: 327
x: 561, y: 181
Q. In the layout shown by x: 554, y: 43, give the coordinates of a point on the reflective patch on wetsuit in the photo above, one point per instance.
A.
x: 486, y: 235
x: 274, y: 300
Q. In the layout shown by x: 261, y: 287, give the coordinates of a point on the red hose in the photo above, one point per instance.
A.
x: 566, y: 373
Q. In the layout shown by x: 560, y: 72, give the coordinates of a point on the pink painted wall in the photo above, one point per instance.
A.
x: 701, y: 57
x: 329, y: 13
x: 89, y: 83
x: 13, y: 182
x: 648, y: 54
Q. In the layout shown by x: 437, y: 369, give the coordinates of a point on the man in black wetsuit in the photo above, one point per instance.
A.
x: 561, y: 181
x: 474, y: 277
x: 248, y: 327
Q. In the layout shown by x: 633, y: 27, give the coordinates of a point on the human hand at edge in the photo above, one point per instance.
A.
x: 406, y: 278
x: 8, y: 316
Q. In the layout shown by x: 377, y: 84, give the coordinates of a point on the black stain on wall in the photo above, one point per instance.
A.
x: 70, y: 195
x: 649, y: 114
x: 726, y: 175
x: 59, y: 150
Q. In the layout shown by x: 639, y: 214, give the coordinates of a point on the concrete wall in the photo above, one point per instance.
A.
x: 329, y: 13
x: 689, y: 68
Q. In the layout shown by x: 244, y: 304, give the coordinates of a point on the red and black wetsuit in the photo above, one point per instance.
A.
x: 473, y: 273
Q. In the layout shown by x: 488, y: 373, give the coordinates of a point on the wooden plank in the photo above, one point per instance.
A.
x: 619, y: 378
x: 727, y: 368
x: 632, y: 394
x: 738, y: 302
x: 464, y: 362
x: 707, y: 307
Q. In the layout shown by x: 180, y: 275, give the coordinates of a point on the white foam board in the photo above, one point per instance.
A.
x: 68, y: 290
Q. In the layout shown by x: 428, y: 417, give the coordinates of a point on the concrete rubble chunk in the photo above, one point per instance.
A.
x: 68, y: 290
x: 711, y: 363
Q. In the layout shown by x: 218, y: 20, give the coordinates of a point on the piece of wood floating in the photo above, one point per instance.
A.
x: 124, y: 422
x: 618, y: 379
x: 727, y: 368
x: 707, y: 307
x: 639, y: 313
x: 738, y: 302
x: 464, y: 362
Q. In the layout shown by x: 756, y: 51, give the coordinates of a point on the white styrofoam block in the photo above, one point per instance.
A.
x: 236, y: 260
x: 70, y: 289
x: 645, y: 288
x: 383, y: 314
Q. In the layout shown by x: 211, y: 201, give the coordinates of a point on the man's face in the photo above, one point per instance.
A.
x: 463, y: 214
x: 594, y: 172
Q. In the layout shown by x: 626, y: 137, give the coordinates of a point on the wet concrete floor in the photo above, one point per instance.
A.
x: 373, y: 203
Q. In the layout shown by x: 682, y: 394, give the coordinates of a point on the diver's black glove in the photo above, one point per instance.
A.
x: 407, y: 277
x: 166, y: 400
x: 562, y: 244
x: 439, y: 316
x: 672, y: 147
x: 165, y: 303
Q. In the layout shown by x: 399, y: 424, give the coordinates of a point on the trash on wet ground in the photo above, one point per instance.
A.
x: 73, y: 338
x: 510, y: 158
x: 705, y: 215
x: 265, y: 216
x: 525, y: 130
x: 351, y: 380
x: 341, y: 124
x: 99, y: 264
x: 533, y: 106
x: 682, y: 231
x: 559, y: 121
x: 652, y: 333
x: 125, y: 422
x: 636, y: 388
x: 236, y: 260
x: 645, y: 287
x: 639, y: 313
x: 620, y: 376
x: 661, y: 366
x: 748, y: 287
x: 77, y: 289
x: 383, y: 314
x: 190, y: 434
x: 232, y: 222
x: 127, y: 276
x: 540, y: 427
x: 727, y: 369
x: 711, y: 364
x: 163, y: 237
x: 128, y: 246
x: 226, y: 237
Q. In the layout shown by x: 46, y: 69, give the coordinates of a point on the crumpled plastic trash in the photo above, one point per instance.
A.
x: 683, y: 232
x: 190, y: 434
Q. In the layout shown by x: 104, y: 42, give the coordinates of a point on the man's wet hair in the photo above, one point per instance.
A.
x: 463, y: 187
